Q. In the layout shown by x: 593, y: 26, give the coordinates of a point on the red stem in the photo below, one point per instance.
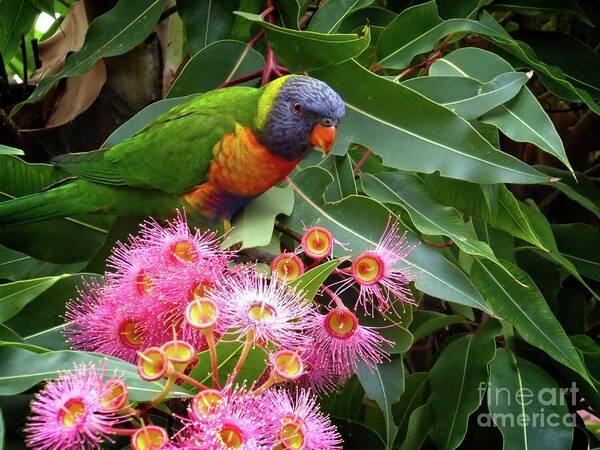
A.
x: 338, y: 301
x: 243, y: 78
x: 434, y: 245
x: 368, y: 152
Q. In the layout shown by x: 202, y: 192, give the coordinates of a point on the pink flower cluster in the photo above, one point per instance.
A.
x: 174, y: 292
x: 77, y: 411
x: 143, y: 302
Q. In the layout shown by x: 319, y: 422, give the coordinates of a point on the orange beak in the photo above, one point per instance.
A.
x: 323, y: 137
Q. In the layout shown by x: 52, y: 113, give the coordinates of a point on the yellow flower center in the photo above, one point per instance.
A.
x: 72, y: 412
x: 292, y: 434
x: 129, y: 335
x: 341, y: 323
x: 201, y: 313
x: 115, y: 396
x: 152, y: 364
x: 287, y: 267
x: 206, y: 401
x: 287, y: 365
x: 183, y: 251
x: 144, y: 282
x: 317, y: 242
x: 231, y: 435
x: 179, y: 353
x: 149, y: 438
x: 261, y: 312
x: 367, y: 269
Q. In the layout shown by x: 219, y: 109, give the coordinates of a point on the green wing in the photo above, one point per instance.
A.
x: 174, y: 152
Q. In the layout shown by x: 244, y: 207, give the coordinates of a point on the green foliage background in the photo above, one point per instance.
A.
x: 481, y: 121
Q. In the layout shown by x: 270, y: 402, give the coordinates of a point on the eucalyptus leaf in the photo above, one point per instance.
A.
x: 455, y: 381
x: 433, y: 273
x: 520, y: 392
x: 522, y: 118
x: 228, y: 60
x: 522, y: 304
x: 111, y: 34
x: 16, y: 295
x: 206, y: 21
x: 384, y: 384
x: 330, y: 16
x: 307, y: 50
x: 22, y: 370
x: 411, y: 132
x: 468, y: 97
x: 253, y: 226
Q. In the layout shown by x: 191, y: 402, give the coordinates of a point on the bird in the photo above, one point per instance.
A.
x: 210, y: 155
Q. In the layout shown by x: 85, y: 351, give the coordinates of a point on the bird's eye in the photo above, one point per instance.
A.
x: 296, y: 107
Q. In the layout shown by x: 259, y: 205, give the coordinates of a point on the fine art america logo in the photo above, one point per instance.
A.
x: 525, y: 407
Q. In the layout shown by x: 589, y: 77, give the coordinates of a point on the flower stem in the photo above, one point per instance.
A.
x: 120, y: 431
x: 214, y: 363
x: 338, y: 301
x: 266, y: 385
x: 189, y: 380
x: 245, y: 350
x: 168, y: 386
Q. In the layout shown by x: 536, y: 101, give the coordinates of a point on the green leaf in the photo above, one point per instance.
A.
x: 384, y: 384
x: 415, y: 395
x: 519, y: 392
x: 143, y: 118
x: 466, y: 96
x: 226, y: 59
x: 356, y: 435
x: 58, y: 240
x: 228, y: 354
x: 19, y: 266
x: 16, y: 18
x: 522, y: 119
x: 434, y: 274
x: 111, y: 34
x: 428, y: 216
x: 14, y: 296
x: 289, y: 12
x: 417, y: 30
x: 253, y: 226
x: 206, y: 21
x: 22, y: 370
x: 7, y: 150
x: 373, y: 16
x: 310, y: 282
x: 419, y: 426
x: 40, y: 322
x: 552, y: 76
x: 385, y: 116
x: 306, y: 50
x: 542, y: 8
x: 579, y: 243
x: 582, y: 190
x: 344, y: 181
x: 461, y: 8
x: 330, y: 16
x: 427, y: 322
x: 527, y: 310
x: 512, y: 216
x: 455, y: 381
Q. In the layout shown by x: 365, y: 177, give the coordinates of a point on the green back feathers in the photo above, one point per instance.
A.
x: 174, y: 152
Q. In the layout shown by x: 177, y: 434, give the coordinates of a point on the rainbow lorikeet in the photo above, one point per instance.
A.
x: 212, y: 154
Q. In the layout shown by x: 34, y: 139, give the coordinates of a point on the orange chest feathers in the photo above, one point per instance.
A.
x: 244, y: 167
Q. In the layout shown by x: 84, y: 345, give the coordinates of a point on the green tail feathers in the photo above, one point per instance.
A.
x: 81, y: 197
x: 62, y: 201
